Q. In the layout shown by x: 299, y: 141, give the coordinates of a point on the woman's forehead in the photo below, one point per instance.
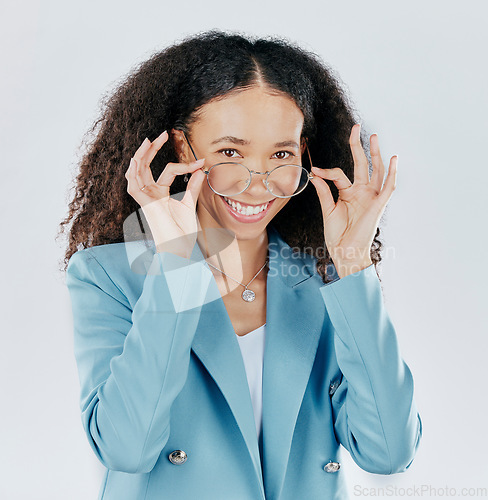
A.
x: 249, y: 127
x: 250, y: 108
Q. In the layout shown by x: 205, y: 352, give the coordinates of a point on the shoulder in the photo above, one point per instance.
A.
x: 118, y: 267
x: 118, y: 257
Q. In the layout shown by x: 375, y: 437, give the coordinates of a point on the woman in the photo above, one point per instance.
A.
x: 214, y: 360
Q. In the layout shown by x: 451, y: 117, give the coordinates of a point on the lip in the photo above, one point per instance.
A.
x: 247, y: 218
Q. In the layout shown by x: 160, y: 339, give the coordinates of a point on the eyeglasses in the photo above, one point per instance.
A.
x: 230, y: 178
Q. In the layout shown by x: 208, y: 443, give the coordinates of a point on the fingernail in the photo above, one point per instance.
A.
x: 199, y: 162
x: 162, y: 133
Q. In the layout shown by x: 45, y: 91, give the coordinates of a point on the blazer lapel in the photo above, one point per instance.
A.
x: 216, y: 346
x: 294, y: 320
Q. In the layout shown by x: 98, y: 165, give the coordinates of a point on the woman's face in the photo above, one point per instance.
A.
x: 246, y: 128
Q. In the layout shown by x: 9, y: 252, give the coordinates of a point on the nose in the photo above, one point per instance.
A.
x: 257, y: 188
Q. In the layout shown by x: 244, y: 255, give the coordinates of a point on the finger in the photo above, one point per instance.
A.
x: 146, y: 144
x: 150, y: 152
x: 325, y: 196
x: 171, y: 170
x: 133, y: 187
x: 140, y: 171
x: 390, y: 182
x: 193, y: 190
x: 378, y: 167
x: 361, y: 174
x: 336, y: 175
x: 144, y: 177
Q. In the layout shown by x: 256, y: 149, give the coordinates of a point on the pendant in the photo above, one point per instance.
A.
x: 248, y: 295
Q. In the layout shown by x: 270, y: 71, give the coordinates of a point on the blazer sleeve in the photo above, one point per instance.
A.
x: 133, y: 361
x: 374, y: 411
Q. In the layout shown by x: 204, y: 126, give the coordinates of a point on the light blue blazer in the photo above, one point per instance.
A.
x: 165, y: 401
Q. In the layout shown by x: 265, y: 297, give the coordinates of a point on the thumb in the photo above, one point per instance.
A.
x: 193, y: 189
x: 325, y: 196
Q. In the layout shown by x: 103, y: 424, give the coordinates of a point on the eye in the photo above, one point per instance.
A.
x: 225, y: 151
x: 283, y: 158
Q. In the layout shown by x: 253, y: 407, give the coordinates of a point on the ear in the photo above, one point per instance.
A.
x: 180, y: 146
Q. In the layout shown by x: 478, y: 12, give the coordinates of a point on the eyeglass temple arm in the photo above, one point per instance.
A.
x: 308, y: 151
x: 188, y: 142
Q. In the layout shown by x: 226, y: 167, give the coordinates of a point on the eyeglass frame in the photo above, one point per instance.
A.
x: 310, y: 175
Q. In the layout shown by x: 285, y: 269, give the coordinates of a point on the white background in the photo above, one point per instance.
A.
x: 417, y: 74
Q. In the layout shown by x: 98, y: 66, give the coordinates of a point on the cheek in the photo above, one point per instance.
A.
x: 207, y: 197
x: 281, y: 204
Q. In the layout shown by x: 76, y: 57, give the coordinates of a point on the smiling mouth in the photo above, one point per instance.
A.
x: 245, y: 209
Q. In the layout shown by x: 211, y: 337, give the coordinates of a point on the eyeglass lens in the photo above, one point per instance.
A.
x: 230, y: 178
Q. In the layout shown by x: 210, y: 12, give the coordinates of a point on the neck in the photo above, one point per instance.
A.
x: 239, y: 258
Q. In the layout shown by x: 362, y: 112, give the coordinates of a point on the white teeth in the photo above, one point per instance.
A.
x: 249, y: 210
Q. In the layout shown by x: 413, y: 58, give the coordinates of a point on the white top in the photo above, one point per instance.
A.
x: 252, y: 349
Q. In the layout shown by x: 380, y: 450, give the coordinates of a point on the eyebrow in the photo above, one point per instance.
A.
x: 242, y: 142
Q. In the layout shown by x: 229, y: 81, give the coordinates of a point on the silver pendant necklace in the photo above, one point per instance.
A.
x: 247, y: 295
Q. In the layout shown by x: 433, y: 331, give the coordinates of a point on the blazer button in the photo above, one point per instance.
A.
x: 178, y: 457
x: 332, y: 467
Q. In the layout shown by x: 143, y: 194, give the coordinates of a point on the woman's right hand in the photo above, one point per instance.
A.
x: 173, y: 223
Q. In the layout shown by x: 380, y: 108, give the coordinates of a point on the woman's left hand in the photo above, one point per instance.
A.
x: 350, y: 224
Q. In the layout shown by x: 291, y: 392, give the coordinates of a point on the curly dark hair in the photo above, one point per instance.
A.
x: 167, y: 91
